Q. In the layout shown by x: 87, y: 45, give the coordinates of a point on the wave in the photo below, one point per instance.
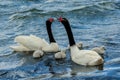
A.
x: 9, y: 65
x: 96, y: 8
x: 45, y: 9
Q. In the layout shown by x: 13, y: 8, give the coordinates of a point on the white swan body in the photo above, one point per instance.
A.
x: 85, y: 57
x: 38, y: 54
x: 60, y: 55
x: 32, y: 42
x: 52, y: 47
x: 29, y: 43
x: 99, y: 50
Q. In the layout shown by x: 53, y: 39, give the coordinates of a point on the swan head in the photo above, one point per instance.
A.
x: 49, y: 21
x: 63, y: 20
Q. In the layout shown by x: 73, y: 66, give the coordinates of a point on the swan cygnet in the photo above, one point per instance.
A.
x: 38, y: 54
x: 99, y: 50
x: 81, y: 57
x: 79, y: 45
x: 60, y: 55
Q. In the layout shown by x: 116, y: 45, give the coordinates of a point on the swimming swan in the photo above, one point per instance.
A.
x: 82, y: 57
x: 32, y: 42
x: 53, y: 46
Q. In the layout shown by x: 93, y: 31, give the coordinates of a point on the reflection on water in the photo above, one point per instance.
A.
x: 94, y: 23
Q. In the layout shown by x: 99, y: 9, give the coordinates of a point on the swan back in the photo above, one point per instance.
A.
x: 32, y: 42
x: 85, y: 57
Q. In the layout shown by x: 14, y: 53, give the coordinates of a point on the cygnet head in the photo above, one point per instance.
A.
x: 79, y: 45
x: 99, y: 50
x: 103, y: 47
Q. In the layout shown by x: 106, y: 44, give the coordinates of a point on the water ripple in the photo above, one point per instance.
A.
x: 9, y: 65
x: 94, y: 23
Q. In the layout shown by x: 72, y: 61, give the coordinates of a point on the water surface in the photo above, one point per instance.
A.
x: 94, y: 23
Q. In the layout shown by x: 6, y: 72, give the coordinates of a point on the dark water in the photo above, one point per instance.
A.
x: 94, y: 22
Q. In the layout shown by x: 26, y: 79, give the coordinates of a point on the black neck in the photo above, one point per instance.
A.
x: 69, y: 33
x: 49, y: 31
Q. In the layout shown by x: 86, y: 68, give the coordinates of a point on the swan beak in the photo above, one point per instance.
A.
x: 60, y: 19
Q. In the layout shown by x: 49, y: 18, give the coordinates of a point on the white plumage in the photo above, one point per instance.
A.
x: 38, y: 54
x: 19, y: 48
x: 52, y: 47
x: 31, y: 42
x: 82, y: 57
x: 60, y: 55
x: 85, y: 57
x: 99, y: 50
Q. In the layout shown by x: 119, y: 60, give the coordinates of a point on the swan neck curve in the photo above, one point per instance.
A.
x: 69, y: 33
x: 49, y: 31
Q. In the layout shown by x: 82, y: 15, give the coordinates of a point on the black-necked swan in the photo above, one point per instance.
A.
x: 82, y: 57
x: 99, y: 50
x: 32, y: 43
x: 53, y: 46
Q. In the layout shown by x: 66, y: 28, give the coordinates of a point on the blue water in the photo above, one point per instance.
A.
x: 93, y: 22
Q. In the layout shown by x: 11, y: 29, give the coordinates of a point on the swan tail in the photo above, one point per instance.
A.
x: 96, y: 62
x: 19, y: 48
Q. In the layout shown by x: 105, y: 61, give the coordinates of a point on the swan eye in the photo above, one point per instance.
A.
x: 62, y: 19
